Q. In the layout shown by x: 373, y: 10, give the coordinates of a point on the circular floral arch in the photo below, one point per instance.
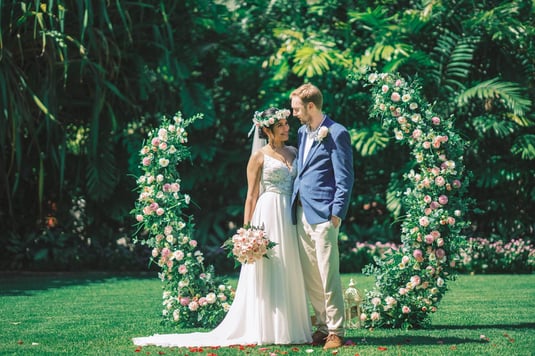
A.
x: 410, y: 282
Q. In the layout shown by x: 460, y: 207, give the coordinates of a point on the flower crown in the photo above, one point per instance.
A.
x: 262, y: 120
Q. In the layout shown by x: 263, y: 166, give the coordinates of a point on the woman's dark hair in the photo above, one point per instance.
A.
x: 266, y: 113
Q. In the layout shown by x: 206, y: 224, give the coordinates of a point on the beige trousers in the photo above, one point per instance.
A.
x: 320, y: 258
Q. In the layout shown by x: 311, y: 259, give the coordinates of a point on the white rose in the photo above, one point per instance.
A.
x: 322, y: 133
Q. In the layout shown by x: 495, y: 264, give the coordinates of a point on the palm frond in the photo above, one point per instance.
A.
x: 369, y: 140
x: 509, y: 93
x: 417, y: 59
x: 492, y: 124
x: 453, y: 62
x: 309, y: 61
x: 524, y: 146
x: 374, y: 20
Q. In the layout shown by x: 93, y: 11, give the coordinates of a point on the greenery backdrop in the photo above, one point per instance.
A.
x: 81, y: 83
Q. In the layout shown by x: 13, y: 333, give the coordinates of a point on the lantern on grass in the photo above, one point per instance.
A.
x: 352, y: 310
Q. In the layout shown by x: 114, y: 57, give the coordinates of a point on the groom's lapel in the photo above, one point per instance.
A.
x: 302, y: 139
x: 327, y: 122
x: 313, y: 149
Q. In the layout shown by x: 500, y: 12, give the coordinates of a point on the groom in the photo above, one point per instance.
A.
x: 320, y: 201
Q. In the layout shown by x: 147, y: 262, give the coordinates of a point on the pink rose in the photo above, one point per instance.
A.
x: 435, y: 120
x: 440, y: 253
x: 435, y: 234
x: 375, y: 316
x: 146, y: 161
x: 184, y: 301
x: 166, y: 252
x: 405, y: 309
x: 440, y: 181
x: 424, y: 221
x: 395, y: 97
x: 443, y: 200
x: 418, y: 255
x: 384, y: 88
x: 182, y: 269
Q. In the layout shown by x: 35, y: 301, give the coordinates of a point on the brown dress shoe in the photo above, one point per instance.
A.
x: 318, y: 338
x: 333, y: 342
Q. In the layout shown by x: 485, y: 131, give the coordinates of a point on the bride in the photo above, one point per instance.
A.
x: 270, y: 305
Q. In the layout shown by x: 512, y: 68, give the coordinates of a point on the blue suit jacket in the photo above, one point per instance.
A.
x: 325, y: 180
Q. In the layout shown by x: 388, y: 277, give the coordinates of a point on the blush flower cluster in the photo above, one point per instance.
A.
x: 249, y: 245
x: 192, y: 295
x: 411, y: 281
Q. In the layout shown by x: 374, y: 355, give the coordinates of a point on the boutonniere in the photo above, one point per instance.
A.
x: 322, y: 133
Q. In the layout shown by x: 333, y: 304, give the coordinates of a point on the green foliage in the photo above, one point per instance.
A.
x: 82, y: 82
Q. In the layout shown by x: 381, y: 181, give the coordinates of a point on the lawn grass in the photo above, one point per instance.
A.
x: 99, y: 313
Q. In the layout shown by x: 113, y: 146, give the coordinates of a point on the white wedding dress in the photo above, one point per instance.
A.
x: 270, y: 305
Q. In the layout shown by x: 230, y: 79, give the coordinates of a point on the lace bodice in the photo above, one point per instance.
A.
x: 277, y: 177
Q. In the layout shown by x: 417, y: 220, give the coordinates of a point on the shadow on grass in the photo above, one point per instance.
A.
x: 26, y: 283
x: 412, y: 340
x: 489, y: 326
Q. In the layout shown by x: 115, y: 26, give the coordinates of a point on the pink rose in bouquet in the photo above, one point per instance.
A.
x: 248, y: 245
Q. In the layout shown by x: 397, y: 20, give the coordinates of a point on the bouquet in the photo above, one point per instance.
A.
x: 248, y: 245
